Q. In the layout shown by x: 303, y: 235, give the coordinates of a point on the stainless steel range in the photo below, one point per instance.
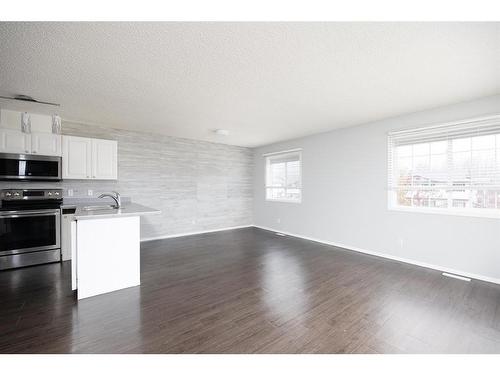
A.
x: 30, y: 227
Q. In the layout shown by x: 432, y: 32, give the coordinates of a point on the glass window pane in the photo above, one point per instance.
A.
x: 404, y: 151
x: 404, y: 166
x: 293, y: 174
x: 460, y: 172
x: 421, y: 198
x: 421, y: 168
x: 438, y: 198
x: 478, y: 199
x: 438, y: 202
x: 490, y: 199
x: 460, y: 198
x: 462, y: 144
x: 438, y: 163
x: 293, y: 194
x: 484, y: 198
x: 484, y: 159
x: 277, y: 174
x: 405, y: 180
x: 484, y: 142
x: 439, y: 147
x: 421, y: 163
x: 276, y: 193
x: 404, y: 197
x: 483, y: 166
x: 421, y: 149
x: 459, y: 203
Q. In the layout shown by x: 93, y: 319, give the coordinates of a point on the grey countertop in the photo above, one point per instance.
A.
x: 90, y: 201
x: 127, y: 209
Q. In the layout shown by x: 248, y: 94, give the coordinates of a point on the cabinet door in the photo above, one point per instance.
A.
x: 76, y: 157
x: 104, y: 159
x: 46, y: 144
x: 15, y: 141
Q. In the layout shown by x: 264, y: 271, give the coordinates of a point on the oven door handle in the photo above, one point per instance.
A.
x: 15, y: 214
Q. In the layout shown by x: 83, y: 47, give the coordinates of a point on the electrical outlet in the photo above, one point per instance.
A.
x: 90, y: 192
x: 70, y: 192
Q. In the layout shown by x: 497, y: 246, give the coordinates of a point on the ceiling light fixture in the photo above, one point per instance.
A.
x: 223, y: 132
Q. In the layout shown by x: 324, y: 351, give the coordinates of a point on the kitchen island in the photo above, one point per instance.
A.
x: 105, y: 246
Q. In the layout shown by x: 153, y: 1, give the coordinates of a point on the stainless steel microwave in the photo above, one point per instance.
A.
x: 30, y: 167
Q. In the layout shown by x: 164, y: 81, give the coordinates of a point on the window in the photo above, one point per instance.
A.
x: 284, y: 176
x: 451, y: 168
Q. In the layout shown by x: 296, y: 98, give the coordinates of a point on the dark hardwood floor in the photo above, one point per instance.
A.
x: 250, y: 291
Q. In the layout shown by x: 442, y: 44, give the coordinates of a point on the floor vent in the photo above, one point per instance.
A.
x: 280, y: 234
x: 455, y: 276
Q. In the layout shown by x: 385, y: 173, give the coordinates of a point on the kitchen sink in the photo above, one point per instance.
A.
x: 97, y: 208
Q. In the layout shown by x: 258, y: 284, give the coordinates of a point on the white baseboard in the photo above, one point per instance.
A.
x: 193, y: 233
x: 387, y: 256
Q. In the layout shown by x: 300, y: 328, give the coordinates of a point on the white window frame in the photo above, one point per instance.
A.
x: 266, y: 186
x: 493, y: 213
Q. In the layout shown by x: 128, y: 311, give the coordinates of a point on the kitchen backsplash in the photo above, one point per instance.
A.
x: 197, y: 185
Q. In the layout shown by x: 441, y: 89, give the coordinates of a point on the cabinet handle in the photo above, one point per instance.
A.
x: 34, y: 151
x: 93, y: 176
x: 88, y: 176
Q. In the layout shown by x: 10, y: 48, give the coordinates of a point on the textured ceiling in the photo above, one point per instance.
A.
x: 264, y: 82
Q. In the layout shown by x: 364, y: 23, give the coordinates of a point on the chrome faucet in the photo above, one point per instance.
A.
x: 116, y: 197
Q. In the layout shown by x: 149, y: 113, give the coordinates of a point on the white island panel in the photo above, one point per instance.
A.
x: 108, y: 255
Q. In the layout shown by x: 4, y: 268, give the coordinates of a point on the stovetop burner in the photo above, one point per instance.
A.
x: 30, y: 199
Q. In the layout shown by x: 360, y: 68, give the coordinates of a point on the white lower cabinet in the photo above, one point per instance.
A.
x: 106, y: 255
x: 89, y: 158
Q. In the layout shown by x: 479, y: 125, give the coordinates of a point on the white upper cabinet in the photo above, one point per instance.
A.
x: 88, y: 158
x: 76, y: 157
x: 46, y: 144
x: 15, y: 141
x: 40, y: 140
x: 104, y: 159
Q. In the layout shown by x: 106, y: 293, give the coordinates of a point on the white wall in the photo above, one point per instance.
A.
x: 345, y: 199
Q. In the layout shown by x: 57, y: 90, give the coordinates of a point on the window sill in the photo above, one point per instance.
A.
x: 282, y: 200
x: 490, y: 213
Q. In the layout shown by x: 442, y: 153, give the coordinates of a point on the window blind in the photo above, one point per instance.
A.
x: 462, y: 129
x: 453, y: 165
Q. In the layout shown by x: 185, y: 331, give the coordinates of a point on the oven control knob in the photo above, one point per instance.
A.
x: 49, y: 194
x: 16, y: 194
x: 8, y: 194
x: 56, y: 193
